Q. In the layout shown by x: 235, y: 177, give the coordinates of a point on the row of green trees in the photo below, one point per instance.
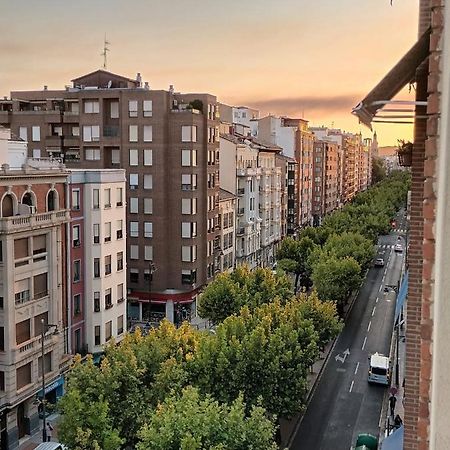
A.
x: 186, y: 389
x: 334, y: 256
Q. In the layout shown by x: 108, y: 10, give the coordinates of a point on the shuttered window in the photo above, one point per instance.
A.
x: 20, y: 248
x: 23, y: 333
x: 40, y: 285
x: 23, y: 375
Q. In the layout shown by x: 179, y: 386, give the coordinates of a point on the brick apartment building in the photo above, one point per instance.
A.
x: 427, y: 392
x: 168, y: 144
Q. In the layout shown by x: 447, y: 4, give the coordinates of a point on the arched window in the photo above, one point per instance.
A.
x: 52, y: 200
x: 7, y: 206
x: 28, y: 199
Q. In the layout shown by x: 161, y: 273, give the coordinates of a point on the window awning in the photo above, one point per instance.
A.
x: 402, y: 73
x: 394, y: 441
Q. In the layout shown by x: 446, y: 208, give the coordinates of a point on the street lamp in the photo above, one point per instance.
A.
x: 44, y: 328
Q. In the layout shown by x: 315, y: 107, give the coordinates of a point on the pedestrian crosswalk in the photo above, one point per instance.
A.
x: 401, y: 231
x: 386, y: 246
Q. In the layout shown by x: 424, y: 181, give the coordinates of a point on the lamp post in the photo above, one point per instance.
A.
x: 151, y: 271
x: 44, y: 328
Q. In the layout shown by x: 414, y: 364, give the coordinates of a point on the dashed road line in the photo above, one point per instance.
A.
x: 357, y: 365
x: 381, y: 287
x: 373, y: 310
x: 376, y: 301
x: 351, y: 386
x: 368, y: 326
x: 364, y: 343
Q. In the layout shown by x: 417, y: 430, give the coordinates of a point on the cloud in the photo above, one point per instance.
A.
x: 307, y: 104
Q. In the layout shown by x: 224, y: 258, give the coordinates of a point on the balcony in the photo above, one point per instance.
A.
x: 33, y: 221
x: 71, y: 117
x: 248, y: 172
x: 111, y: 131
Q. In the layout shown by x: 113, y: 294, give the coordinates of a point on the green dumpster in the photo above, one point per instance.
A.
x: 366, y: 442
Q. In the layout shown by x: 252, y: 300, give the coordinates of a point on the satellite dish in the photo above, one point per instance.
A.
x: 109, y: 83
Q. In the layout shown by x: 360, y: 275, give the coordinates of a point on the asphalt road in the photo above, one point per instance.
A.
x: 344, y: 404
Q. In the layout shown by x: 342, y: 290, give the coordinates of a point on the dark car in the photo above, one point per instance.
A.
x: 379, y: 262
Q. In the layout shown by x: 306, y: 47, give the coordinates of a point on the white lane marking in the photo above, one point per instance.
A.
x: 368, y: 327
x: 381, y: 287
x: 357, y: 365
x: 376, y: 301
x: 351, y: 386
x: 373, y: 310
x: 364, y: 343
x: 384, y: 276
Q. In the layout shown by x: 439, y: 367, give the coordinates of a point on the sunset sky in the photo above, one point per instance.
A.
x: 314, y: 59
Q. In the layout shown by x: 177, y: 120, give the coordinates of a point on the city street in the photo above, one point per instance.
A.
x: 344, y: 404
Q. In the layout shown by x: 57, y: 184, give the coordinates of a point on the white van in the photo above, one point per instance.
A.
x: 379, y: 370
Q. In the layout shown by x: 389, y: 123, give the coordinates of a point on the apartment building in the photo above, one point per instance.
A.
x: 227, y: 211
x: 168, y: 144
x: 33, y: 217
x: 98, y: 258
x: 288, y: 168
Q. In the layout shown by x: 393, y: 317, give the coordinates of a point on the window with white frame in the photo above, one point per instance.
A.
x: 95, y: 198
x: 107, y: 231
x: 96, y: 232
x: 148, y: 206
x: 119, y: 229
x: 134, y: 252
x: 188, y: 229
x: 148, y: 229
x: 148, y: 133
x: 91, y: 107
x: 134, y: 229
x: 148, y: 253
x: 186, y: 158
x: 114, y: 110
x: 76, y: 242
x: 36, y: 133
x: 148, y: 157
x: 107, y: 197
x: 148, y: 108
x: 134, y: 180
x: 188, y: 253
x: 119, y: 196
x: 188, y: 182
x: 76, y: 199
x: 36, y: 153
x: 194, y: 158
x: 23, y: 133
x: 188, y: 206
x: 134, y: 205
x: 75, y: 130
x: 148, y: 181
x: 188, y: 133
x: 134, y: 157
x: 92, y: 154
x: 133, y: 133
x: 91, y: 133
x: 133, y: 108
x: 115, y: 156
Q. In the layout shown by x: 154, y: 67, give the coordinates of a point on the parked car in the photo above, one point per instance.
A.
x: 379, y: 262
x: 398, y: 248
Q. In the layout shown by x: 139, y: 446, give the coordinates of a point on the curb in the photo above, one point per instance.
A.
x: 325, y: 362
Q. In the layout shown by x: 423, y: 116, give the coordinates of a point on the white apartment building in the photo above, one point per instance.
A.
x: 32, y: 285
x: 227, y: 209
x: 102, y: 208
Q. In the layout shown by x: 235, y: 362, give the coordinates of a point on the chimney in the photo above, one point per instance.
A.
x: 171, y: 89
x: 139, y: 79
x: 45, y: 87
x: 146, y: 86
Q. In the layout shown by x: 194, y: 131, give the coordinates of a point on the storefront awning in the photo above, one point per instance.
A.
x: 401, y: 297
x: 394, y: 441
x: 404, y: 72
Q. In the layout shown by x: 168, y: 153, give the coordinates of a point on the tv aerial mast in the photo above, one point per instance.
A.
x: 105, y: 52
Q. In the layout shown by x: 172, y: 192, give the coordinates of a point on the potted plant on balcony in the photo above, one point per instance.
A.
x: 404, y: 153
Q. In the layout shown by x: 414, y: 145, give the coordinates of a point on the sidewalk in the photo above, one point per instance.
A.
x: 31, y: 442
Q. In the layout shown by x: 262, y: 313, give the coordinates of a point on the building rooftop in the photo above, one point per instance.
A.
x: 225, y: 195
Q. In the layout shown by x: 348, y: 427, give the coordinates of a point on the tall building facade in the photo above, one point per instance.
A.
x: 33, y: 220
x: 227, y: 208
x: 168, y: 144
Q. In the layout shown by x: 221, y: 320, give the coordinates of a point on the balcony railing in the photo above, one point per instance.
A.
x: 31, y: 221
x: 111, y: 131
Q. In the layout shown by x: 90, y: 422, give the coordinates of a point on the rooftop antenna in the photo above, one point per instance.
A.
x: 105, y: 52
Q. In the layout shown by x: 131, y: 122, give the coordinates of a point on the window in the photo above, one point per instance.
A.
x: 148, y: 133
x: 188, y: 276
x: 148, y: 108
x: 133, y: 108
x: 96, y: 232
x: 92, y: 154
x: 134, y: 205
x: 36, y: 134
x: 76, y: 242
x: 40, y: 286
x: 91, y: 133
x: 188, y: 182
x: 185, y: 158
x: 148, y: 206
x: 120, y: 324
x: 77, y: 304
x: 115, y: 156
x: 76, y: 271
x: 107, y: 199
x: 114, y: 110
x: 119, y: 231
x: 134, y: 180
x: 188, y: 133
x: 23, y: 376
x: 108, y: 299
x: 188, y: 206
x: 188, y: 229
x: 148, y: 253
x: 120, y: 298
x: 91, y: 107
x: 108, y: 330
x: 108, y: 265
x: 107, y: 231
x: 133, y: 133
x: 119, y: 196
x: 76, y: 199
x: 134, y: 275
x: 119, y: 261
x: 134, y: 229
x: 23, y: 331
x: 96, y: 267
x: 36, y: 153
x: 134, y: 157
x: 134, y: 252
x: 96, y: 198
x: 23, y: 133
x: 96, y: 301
x: 97, y: 339
x: 148, y: 157
x: 188, y: 253
x: 148, y: 181
x: 148, y: 229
